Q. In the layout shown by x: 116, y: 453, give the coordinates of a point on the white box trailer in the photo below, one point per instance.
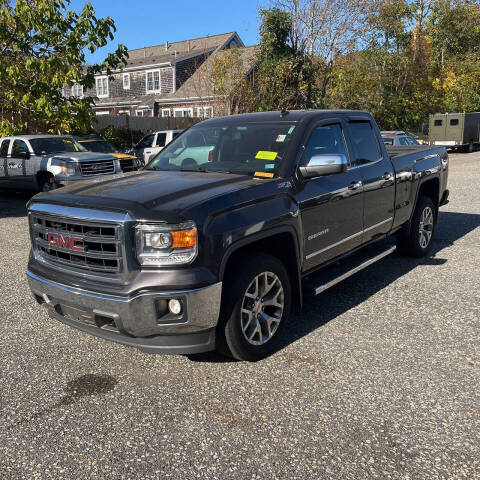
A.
x: 455, y: 130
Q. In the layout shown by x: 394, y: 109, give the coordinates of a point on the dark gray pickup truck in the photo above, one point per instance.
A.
x: 236, y: 222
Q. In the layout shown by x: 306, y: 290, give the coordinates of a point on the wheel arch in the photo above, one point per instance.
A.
x: 282, y: 243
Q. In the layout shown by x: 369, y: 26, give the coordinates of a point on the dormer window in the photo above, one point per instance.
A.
x: 101, y: 84
x: 77, y: 90
x: 126, y: 81
x: 153, y: 81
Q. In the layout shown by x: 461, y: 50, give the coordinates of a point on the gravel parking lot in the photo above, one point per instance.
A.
x: 379, y: 377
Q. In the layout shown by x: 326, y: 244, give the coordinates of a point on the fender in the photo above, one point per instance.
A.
x: 260, y: 236
x: 424, y: 179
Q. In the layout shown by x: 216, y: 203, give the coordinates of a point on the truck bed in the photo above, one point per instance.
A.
x: 396, y: 152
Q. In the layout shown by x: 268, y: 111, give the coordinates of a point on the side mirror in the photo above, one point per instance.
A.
x: 325, y: 164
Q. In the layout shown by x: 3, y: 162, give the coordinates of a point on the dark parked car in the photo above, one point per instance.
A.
x: 233, y: 224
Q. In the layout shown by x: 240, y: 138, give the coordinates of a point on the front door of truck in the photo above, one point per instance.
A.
x: 331, y: 206
x: 4, y: 144
x: 16, y: 162
x: 377, y: 176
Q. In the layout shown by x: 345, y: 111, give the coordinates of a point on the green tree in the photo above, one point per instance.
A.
x: 42, y: 48
x: 285, y: 75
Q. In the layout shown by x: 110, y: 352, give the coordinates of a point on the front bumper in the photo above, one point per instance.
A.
x: 141, y: 320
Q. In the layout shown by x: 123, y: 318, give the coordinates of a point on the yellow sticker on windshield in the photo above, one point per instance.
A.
x: 263, y: 174
x: 264, y: 155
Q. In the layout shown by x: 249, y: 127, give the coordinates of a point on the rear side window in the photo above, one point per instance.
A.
x: 4, y: 148
x: 438, y: 123
x: 453, y: 122
x: 364, y: 143
x: 325, y: 140
x: 161, y: 139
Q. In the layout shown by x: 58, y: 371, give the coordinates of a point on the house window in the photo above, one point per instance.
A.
x: 77, y: 90
x: 124, y: 112
x: 102, y: 112
x: 144, y: 113
x: 166, y: 112
x: 438, y: 123
x: 153, y: 81
x: 183, y: 112
x: 454, y: 122
x: 205, y: 112
x: 126, y: 81
x: 102, y: 87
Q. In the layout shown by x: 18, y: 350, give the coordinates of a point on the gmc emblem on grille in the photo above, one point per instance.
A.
x: 64, y: 241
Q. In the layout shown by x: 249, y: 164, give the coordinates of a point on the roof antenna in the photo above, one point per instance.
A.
x: 283, y: 113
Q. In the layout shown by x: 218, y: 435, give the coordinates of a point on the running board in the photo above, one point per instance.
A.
x: 346, y: 268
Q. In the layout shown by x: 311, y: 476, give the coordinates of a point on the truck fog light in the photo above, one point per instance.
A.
x: 175, y: 306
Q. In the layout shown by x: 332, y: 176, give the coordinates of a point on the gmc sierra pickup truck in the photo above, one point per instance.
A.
x: 233, y: 224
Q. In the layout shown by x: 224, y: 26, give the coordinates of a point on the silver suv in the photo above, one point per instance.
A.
x: 46, y: 162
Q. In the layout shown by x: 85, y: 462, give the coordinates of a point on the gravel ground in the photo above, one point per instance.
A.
x: 380, y: 379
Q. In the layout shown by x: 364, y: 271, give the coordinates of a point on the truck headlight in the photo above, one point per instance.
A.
x: 162, y: 244
x: 62, y: 167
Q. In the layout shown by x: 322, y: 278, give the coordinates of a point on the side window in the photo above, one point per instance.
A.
x: 4, y: 148
x: 146, y: 141
x: 325, y: 140
x: 364, y: 143
x: 403, y: 141
x: 161, y: 139
x: 19, y: 149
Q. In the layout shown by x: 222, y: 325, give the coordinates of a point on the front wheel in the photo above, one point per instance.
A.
x: 417, y: 242
x: 47, y: 184
x: 255, y: 308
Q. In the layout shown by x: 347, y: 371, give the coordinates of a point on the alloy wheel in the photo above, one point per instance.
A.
x: 426, y: 227
x: 262, y: 308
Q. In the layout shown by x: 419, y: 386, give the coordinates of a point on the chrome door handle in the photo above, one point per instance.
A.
x: 387, y: 176
x: 355, y: 185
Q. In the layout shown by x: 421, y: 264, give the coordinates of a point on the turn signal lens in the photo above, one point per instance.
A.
x: 184, y: 238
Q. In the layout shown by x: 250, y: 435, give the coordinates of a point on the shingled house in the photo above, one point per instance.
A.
x: 162, y: 80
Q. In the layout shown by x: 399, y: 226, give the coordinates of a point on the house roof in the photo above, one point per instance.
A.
x: 175, y: 51
x: 200, y: 83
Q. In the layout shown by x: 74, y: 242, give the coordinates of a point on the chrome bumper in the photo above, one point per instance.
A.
x: 142, y: 320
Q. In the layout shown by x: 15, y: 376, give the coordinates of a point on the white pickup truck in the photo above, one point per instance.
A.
x: 152, y: 143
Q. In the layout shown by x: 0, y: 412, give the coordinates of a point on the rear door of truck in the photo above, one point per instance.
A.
x: 377, y: 174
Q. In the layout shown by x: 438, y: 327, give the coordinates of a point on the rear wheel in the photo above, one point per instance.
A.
x: 255, y: 308
x: 417, y: 241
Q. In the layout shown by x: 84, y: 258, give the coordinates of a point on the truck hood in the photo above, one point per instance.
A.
x: 81, y: 156
x: 148, y: 194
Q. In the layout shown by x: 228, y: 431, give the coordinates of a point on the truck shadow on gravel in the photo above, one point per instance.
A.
x: 14, y: 204
x: 83, y: 386
x: 350, y: 293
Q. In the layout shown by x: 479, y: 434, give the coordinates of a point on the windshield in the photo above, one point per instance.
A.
x: 52, y: 145
x: 99, y: 146
x: 246, y: 148
x: 387, y: 140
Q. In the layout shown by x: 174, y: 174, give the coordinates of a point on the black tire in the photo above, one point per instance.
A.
x: 47, y: 183
x: 231, y: 339
x: 410, y: 241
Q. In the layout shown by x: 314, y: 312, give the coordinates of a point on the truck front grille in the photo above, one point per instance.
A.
x: 77, y: 244
x: 100, y: 167
x: 127, y: 165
